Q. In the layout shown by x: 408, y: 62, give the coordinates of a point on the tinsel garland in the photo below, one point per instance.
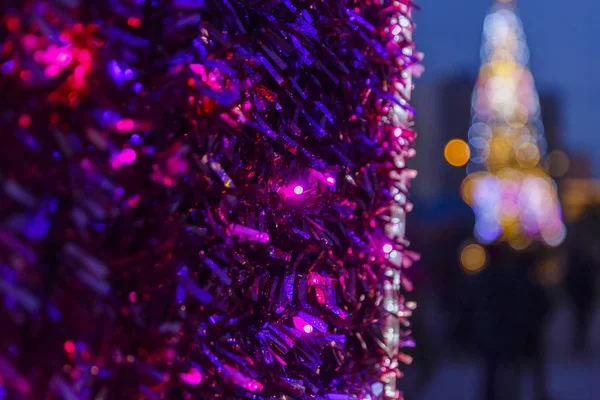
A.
x: 204, y: 199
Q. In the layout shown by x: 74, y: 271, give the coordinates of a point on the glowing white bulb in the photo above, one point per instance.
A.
x: 298, y: 189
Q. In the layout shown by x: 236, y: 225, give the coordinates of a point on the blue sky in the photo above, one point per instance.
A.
x: 564, y: 40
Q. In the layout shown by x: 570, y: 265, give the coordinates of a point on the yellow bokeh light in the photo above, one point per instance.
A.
x: 509, y: 174
x: 473, y: 258
x: 504, y: 67
x: 466, y: 189
x: 518, y: 241
x: 548, y: 273
x: 500, y: 151
x: 528, y: 155
x: 518, y: 117
x: 457, y: 152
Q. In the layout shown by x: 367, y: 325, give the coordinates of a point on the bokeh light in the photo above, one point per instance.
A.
x: 193, y: 377
x: 457, y: 152
x: 473, y: 258
x: 69, y: 346
x: 528, y: 155
x: 548, y: 273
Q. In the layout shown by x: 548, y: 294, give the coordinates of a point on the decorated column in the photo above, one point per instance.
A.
x: 205, y: 199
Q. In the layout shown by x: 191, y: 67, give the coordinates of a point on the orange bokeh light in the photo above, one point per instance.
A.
x: 457, y: 152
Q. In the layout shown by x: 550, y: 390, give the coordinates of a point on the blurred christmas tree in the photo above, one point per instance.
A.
x: 513, y: 197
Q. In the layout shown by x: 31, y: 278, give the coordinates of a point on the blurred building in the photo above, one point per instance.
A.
x: 578, y: 190
x: 444, y: 114
x: 579, y: 165
x: 429, y: 160
x: 551, y: 108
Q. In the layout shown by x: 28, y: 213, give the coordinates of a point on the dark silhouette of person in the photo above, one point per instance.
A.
x: 583, y: 262
x: 535, y: 309
x: 508, y: 312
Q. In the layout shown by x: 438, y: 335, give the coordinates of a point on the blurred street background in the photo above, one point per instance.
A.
x: 506, y: 321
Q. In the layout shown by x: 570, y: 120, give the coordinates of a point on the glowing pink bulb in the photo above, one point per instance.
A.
x: 51, y: 70
x: 331, y: 181
x: 69, y: 347
x: 64, y: 58
x: 125, y: 125
x: 24, y: 120
x: 254, y: 386
x: 396, y: 30
x: 298, y: 189
x: 79, y: 76
x: 302, y: 325
x: 387, y: 248
x: 397, y: 132
x: 127, y: 156
x: 193, y: 377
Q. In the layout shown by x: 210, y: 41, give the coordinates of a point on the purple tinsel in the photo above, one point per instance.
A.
x: 204, y: 199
